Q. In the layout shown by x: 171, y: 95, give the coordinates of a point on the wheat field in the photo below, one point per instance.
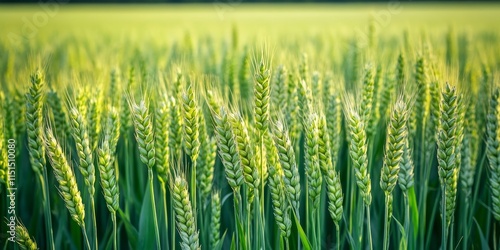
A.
x: 236, y: 126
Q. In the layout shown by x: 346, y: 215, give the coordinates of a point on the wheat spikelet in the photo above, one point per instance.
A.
x: 458, y: 140
x: 144, y: 133
x: 367, y: 98
x: 185, y: 220
x: 358, y: 150
x: 377, y: 86
x: 228, y: 150
x: 312, y: 158
x: 125, y: 118
x: 305, y: 101
x: 271, y: 153
x: 493, y: 150
x: 60, y: 118
x: 278, y: 200
x: 246, y: 155
x: 293, y: 109
x: 286, y: 157
x: 304, y: 67
x: 175, y: 136
x: 162, y: 150
x: 19, y: 109
x: 215, y: 220
x: 206, y: 162
x: 3, y: 153
x: 469, y: 150
x: 316, y: 85
x: 433, y: 121
x: 68, y: 189
x: 244, y: 76
x: 447, y: 147
x: 261, y: 97
x: 108, y: 175
x: 10, y: 113
x: 279, y: 90
x: 94, y: 119
x: 34, y: 123
x: 83, y: 149
x: 405, y: 178
x: 83, y: 101
x: 324, y: 149
x: 421, y: 108
x: 335, y: 196
x: 394, y: 149
x: 327, y: 90
x: 401, y: 70
x: 334, y: 124
x: 24, y: 239
x: 190, y: 126
x: 386, y: 93
x: 113, y: 127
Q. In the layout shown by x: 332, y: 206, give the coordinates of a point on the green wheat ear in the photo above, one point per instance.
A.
x: 190, y: 126
x: 262, y: 96
x: 34, y: 121
x: 278, y: 198
x: 108, y: 176
x: 313, y: 158
x: 286, y: 155
x: 228, y: 149
x: 162, y: 149
x: 144, y: 133
x: 493, y: 150
x: 246, y: 155
x: 215, y: 220
x: 358, y: 149
x: 83, y: 149
x: 65, y: 176
x: 23, y: 238
x: 447, y: 147
x: 185, y: 220
x: 395, y: 144
x: 3, y: 153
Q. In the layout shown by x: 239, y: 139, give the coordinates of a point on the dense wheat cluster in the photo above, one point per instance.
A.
x: 222, y: 141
